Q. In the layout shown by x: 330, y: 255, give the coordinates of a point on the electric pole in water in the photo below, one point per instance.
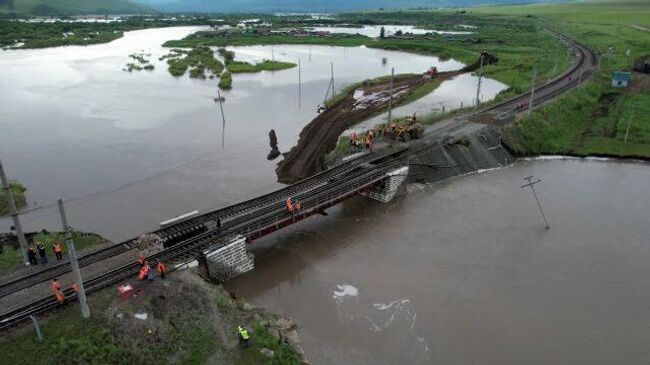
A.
x: 480, y: 77
x: 390, y: 98
x: 72, y: 252
x: 223, y: 118
x: 299, y: 83
x: 531, y: 184
x: 14, y: 213
x: 532, y: 92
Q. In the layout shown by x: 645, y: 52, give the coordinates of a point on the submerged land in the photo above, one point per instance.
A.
x: 595, y: 119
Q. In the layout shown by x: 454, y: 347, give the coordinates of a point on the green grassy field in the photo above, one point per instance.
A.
x: 592, y: 120
x: 266, y: 65
x: 11, y: 258
x: 18, y: 192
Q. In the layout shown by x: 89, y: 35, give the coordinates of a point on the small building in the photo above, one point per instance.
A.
x: 621, y: 78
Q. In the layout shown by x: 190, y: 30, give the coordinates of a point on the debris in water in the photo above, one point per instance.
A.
x: 344, y: 291
x: 141, y: 316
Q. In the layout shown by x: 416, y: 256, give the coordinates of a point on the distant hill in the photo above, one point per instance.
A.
x: 314, y: 5
x: 71, y: 7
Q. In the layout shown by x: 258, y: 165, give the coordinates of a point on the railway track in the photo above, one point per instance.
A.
x: 188, y: 228
x: 267, y: 212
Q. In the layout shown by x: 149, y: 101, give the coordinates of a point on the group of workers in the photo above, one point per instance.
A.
x: 58, y: 292
x: 57, y: 248
x: 367, y: 139
x: 293, y: 207
x: 146, y: 272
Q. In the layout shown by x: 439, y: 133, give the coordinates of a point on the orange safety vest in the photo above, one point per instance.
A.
x: 57, y: 248
x: 59, y: 297
x: 161, y: 268
x: 289, y: 205
x: 56, y: 286
x: 143, y: 272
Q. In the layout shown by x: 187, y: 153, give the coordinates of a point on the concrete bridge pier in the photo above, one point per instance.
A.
x: 390, y: 185
x: 227, y: 262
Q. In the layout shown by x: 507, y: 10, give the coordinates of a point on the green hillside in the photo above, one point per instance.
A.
x: 70, y: 7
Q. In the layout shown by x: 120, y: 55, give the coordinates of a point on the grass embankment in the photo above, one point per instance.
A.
x: 265, y: 65
x: 11, y: 258
x: 18, y: 192
x: 188, y: 322
x: 593, y: 119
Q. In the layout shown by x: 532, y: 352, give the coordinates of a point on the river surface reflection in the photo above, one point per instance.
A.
x: 73, y: 123
x: 463, y: 272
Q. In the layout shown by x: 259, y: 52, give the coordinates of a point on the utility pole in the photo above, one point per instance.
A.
x: 14, y: 213
x: 72, y: 252
x: 390, y: 98
x: 557, y: 54
x: 629, y: 123
x: 332, y: 71
x: 478, y: 87
x: 532, y: 92
x: 299, y: 83
x: 223, y: 118
x: 531, y: 185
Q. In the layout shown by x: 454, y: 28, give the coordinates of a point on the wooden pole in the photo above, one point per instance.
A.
x: 390, y: 98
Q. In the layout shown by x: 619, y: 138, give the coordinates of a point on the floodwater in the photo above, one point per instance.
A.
x: 134, y: 149
x: 374, y: 30
x: 450, y: 95
x: 463, y: 272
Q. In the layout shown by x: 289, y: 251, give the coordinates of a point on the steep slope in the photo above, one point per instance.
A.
x: 71, y: 7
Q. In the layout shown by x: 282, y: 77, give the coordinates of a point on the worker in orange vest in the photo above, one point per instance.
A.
x: 161, y: 269
x: 56, y: 289
x: 141, y: 261
x: 289, y: 205
x: 74, y: 287
x: 144, y: 271
x: 58, y: 250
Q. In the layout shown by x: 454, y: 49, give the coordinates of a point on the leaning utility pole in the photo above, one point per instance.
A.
x: 72, y: 252
x: 531, y: 185
x: 480, y: 77
x: 332, y: 81
x: 14, y: 213
x: 299, y: 83
x: 223, y: 118
x: 629, y: 123
x: 390, y: 98
x: 532, y: 92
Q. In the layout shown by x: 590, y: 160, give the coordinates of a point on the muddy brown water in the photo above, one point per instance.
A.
x: 463, y: 272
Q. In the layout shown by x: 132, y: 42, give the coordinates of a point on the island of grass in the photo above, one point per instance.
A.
x: 265, y: 65
x: 18, y: 192
x: 11, y: 257
x: 199, y: 60
x: 225, y: 82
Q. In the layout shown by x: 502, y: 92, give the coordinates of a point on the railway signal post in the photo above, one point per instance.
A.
x: 531, y: 184
x: 72, y: 252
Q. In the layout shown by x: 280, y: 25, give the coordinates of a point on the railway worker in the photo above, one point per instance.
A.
x: 161, y: 269
x: 31, y: 256
x: 243, y: 336
x: 298, y: 205
x: 74, y: 287
x: 141, y: 261
x: 289, y: 205
x: 56, y: 289
x: 144, y: 271
x: 58, y: 250
x: 42, y: 253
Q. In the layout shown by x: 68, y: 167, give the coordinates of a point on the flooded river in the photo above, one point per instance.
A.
x: 464, y: 272
x: 72, y: 124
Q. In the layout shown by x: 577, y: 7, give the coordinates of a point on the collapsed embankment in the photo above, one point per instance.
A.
x: 320, y: 136
x: 180, y: 320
